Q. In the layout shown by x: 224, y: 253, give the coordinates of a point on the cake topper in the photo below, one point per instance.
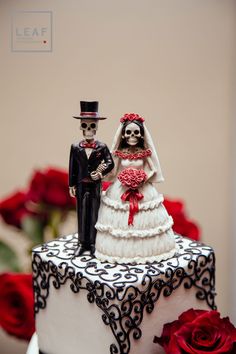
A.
x: 133, y: 225
x: 90, y: 161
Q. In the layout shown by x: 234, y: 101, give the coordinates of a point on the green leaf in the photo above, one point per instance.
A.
x: 8, y: 259
x: 34, y: 228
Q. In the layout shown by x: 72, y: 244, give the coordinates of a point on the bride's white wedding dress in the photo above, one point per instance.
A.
x: 149, y: 239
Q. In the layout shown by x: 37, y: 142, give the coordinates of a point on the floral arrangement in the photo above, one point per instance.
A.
x: 44, y: 205
x: 131, y: 177
x: 131, y: 117
x: 198, y: 332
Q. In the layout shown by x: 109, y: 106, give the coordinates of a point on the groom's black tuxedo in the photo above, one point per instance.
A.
x: 87, y: 190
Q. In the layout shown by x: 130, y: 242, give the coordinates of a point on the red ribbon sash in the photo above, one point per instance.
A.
x: 133, y: 196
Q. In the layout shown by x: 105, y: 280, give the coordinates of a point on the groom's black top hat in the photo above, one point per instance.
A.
x: 89, y: 110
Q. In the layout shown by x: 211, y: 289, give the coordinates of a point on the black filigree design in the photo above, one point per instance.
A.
x: 123, y: 292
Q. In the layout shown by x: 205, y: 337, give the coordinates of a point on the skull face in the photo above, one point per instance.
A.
x: 132, y: 134
x: 89, y: 128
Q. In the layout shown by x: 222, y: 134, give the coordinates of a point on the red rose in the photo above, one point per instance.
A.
x: 131, y: 117
x: 182, y: 225
x: 17, y: 305
x: 13, y: 208
x: 50, y: 187
x: 198, y: 332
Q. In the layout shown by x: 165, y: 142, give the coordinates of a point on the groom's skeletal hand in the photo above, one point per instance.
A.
x: 96, y: 175
x: 72, y: 191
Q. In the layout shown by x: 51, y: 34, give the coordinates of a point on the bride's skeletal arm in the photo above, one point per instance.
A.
x: 151, y: 167
x: 116, y: 167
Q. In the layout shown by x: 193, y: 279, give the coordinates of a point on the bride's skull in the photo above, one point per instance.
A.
x: 89, y: 128
x: 132, y: 134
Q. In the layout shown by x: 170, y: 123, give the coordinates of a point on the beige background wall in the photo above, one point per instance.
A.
x: 171, y: 61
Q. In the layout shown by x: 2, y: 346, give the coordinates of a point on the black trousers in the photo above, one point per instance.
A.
x: 88, y: 202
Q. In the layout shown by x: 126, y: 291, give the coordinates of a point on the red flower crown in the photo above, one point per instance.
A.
x: 131, y: 117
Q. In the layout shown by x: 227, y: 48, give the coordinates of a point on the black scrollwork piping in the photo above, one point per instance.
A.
x: 54, y: 264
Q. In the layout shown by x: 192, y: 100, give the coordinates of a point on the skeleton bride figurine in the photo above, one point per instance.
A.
x: 133, y: 226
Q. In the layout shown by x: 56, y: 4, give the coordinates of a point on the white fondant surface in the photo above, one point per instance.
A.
x: 70, y: 324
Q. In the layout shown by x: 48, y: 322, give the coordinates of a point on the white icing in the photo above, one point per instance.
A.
x: 70, y: 324
x: 79, y: 327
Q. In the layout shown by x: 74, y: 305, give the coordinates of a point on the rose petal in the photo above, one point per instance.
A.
x: 190, y: 315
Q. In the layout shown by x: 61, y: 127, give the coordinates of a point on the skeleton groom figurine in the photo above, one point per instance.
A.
x: 90, y: 160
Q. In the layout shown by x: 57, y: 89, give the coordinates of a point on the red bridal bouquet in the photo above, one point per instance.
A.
x: 132, y: 178
x: 198, y: 332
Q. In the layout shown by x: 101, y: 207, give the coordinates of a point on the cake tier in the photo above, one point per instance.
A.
x: 86, y: 306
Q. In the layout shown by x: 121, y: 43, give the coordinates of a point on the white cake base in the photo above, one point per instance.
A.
x: 71, y: 325
x: 67, y: 322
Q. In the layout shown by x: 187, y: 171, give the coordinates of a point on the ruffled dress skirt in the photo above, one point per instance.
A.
x: 149, y: 239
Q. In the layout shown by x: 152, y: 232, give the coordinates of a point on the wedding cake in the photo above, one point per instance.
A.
x: 83, y: 305
x: 111, y: 287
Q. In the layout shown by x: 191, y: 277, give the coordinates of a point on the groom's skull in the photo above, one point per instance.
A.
x: 89, y: 128
x: 132, y: 134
